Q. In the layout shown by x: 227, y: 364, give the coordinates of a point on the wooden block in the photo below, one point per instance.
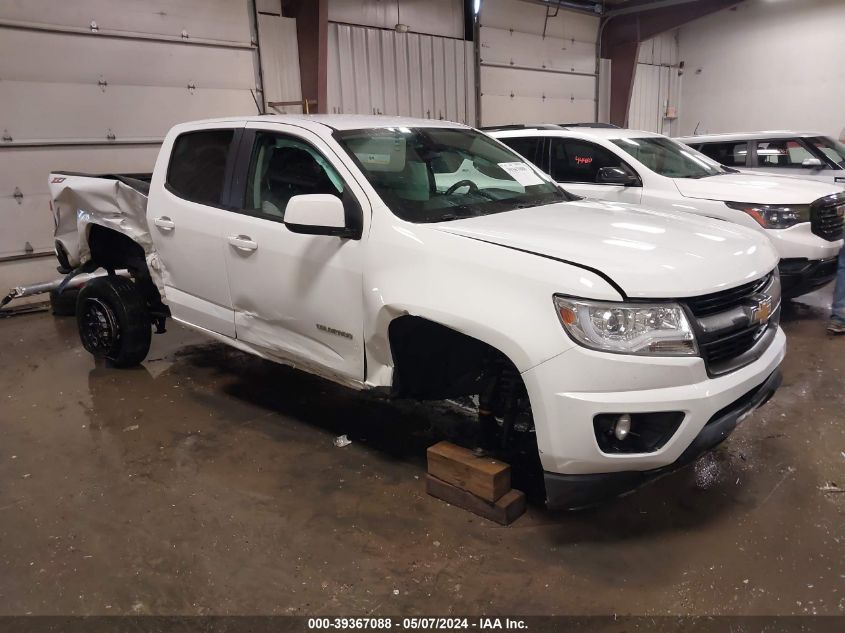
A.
x: 505, y: 511
x: 482, y: 476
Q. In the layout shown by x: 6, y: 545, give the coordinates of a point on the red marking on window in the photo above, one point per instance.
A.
x: 583, y: 160
x: 57, y: 180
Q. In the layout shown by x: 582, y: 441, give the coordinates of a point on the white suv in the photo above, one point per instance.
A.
x: 803, y: 219
x: 805, y: 154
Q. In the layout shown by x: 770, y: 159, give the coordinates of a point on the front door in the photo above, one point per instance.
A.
x: 295, y: 297
x: 574, y: 164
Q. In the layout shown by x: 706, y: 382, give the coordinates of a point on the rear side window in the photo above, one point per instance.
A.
x: 198, y: 165
x: 730, y: 154
x: 782, y: 153
x: 579, y: 161
x: 527, y: 146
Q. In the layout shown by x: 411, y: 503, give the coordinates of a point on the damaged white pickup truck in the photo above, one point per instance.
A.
x: 427, y: 260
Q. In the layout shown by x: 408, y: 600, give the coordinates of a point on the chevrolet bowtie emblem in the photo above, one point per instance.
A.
x: 762, y: 311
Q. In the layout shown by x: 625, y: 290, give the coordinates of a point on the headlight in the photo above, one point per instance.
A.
x: 628, y: 328
x: 774, y: 216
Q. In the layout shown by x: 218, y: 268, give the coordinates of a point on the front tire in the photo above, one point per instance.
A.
x: 114, y: 322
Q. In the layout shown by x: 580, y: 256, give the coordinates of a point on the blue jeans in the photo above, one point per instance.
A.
x: 839, y: 291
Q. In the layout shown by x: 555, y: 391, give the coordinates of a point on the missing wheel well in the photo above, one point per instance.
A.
x: 432, y: 361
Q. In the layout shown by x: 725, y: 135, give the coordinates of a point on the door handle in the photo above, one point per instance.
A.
x: 243, y: 243
x: 165, y: 223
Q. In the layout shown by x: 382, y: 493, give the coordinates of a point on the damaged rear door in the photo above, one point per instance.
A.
x: 295, y: 296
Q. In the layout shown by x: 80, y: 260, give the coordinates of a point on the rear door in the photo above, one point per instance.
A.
x: 296, y: 297
x: 185, y: 218
x: 729, y: 153
x: 575, y: 163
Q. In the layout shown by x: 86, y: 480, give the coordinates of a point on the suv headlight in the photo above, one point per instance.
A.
x: 660, y: 329
x: 774, y: 216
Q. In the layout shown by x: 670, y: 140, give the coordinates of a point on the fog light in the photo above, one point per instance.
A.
x: 622, y: 427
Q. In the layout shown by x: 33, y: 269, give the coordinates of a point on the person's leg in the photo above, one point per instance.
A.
x: 837, y: 317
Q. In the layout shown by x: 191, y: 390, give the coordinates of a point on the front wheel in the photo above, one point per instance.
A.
x: 114, y: 322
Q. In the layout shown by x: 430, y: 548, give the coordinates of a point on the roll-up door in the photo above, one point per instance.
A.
x: 94, y: 85
x: 534, y: 68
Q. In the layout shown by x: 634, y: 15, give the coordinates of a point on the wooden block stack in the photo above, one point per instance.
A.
x: 479, y: 484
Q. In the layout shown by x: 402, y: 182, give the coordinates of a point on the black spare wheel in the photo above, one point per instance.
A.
x: 114, y: 322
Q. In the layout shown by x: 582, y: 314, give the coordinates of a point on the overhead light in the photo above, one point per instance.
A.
x: 401, y: 28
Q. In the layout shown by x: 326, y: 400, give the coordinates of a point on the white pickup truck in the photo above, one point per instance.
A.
x: 427, y: 260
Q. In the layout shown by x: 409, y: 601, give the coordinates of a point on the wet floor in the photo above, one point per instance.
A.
x: 207, y: 482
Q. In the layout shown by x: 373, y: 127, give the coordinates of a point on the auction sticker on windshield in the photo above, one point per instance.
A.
x: 522, y: 173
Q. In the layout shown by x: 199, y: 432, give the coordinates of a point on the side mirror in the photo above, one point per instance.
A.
x: 316, y: 214
x: 616, y: 176
x: 814, y: 163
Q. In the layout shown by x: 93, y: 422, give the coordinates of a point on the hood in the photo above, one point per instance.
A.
x: 756, y: 188
x: 649, y: 254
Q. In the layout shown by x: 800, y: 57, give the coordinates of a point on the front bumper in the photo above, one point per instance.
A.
x: 798, y: 276
x: 578, y: 491
x: 569, y: 391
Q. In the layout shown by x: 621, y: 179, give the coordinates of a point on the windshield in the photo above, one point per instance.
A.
x: 833, y: 150
x: 669, y: 158
x: 440, y: 174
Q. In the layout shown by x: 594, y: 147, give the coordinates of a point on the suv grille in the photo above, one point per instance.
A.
x: 826, y: 217
x: 734, y: 327
x: 724, y: 300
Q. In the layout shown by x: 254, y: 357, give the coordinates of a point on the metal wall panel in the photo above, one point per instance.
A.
x: 222, y: 20
x: 82, y: 59
x: 532, y: 96
x: 376, y: 71
x: 527, y: 17
x: 280, y: 61
x: 535, y: 69
x: 432, y: 17
x: 656, y: 86
x: 526, y: 50
x: 59, y: 111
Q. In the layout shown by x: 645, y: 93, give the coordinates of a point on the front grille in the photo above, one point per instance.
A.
x: 724, y: 300
x: 729, y: 326
x: 729, y: 347
x: 826, y: 217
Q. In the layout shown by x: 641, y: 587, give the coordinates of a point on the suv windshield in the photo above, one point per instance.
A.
x: 669, y: 158
x: 439, y: 174
x: 832, y: 150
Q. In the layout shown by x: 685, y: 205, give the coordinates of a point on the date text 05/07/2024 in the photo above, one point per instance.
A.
x: 419, y: 623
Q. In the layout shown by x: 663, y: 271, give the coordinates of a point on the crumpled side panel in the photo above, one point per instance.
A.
x: 111, y: 204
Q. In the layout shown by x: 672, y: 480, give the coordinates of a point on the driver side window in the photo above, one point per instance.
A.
x: 579, y: 161
x: 283, y: 167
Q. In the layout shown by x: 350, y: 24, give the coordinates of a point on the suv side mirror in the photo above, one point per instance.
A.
x: 616, y: 176
x: 317, y: 214
x: 815, y: 163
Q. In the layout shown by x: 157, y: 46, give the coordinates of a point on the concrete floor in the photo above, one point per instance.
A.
x: 207, y: 482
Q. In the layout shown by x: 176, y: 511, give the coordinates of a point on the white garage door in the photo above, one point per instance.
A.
x: 527, y: 77
x: 93, y: 86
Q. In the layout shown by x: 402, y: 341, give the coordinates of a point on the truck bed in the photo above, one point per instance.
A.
x: 114, y: 201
